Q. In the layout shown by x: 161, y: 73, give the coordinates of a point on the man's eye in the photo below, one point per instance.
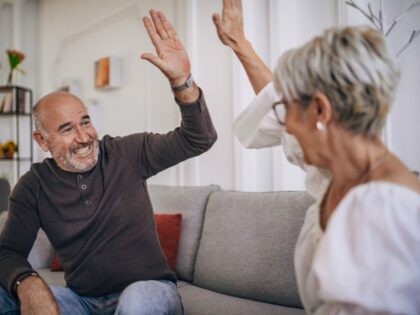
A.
x: 67, y: 130
x: 87, y: 122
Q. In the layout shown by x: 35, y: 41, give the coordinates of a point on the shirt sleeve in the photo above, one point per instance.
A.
x: 152, y: 152
x: 370, y: 252
x: 18, y: 234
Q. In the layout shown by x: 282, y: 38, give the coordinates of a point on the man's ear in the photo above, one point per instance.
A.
x: 321, y: 108
x: 37, y: 136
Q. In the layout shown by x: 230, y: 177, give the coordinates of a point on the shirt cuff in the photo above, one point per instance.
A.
x: 19, y: 279
x: 197, y: 106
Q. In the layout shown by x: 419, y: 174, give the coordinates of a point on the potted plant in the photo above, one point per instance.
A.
x: 8, y: 149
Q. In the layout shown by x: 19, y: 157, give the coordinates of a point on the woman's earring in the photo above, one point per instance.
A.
x: 320, y: 126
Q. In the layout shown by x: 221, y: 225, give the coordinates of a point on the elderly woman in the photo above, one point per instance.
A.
x: 359, y: 248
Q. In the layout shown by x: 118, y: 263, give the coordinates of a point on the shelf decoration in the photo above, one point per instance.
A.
x: 15, y: 58
x: 8, y: 149
x: 108, y: 73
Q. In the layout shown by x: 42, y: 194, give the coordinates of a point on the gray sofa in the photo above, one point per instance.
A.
x: 236, y: 249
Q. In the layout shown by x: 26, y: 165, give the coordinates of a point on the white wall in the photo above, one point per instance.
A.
x: 73, y: 34
x: 403, y: 126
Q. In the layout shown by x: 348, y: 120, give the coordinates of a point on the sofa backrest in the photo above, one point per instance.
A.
x: 191, y: 202
x: 247, y: 245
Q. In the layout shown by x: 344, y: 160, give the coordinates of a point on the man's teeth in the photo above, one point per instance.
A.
x: 82, y: 151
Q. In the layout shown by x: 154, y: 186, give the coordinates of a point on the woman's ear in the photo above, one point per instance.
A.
x: 321, y: 108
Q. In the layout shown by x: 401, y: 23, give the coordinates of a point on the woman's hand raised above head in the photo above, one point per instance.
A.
x: 230, y: 26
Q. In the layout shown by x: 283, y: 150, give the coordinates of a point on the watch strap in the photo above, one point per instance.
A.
x: 188, y: 83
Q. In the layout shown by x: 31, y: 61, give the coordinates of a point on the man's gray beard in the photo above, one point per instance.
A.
x: 77, y: 166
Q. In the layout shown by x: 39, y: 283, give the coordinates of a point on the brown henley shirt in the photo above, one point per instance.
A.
x: 101, y: 222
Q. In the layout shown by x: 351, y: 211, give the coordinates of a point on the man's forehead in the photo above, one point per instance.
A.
x: 59, y: 106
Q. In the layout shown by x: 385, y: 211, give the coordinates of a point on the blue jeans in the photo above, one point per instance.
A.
x: 142, y: 297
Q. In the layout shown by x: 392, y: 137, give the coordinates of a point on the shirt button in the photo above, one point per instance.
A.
x: 83, y: 186
x: 79, y: 176
x: 88, y: 202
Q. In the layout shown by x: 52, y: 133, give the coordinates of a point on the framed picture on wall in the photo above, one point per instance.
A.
x: 108, y: 73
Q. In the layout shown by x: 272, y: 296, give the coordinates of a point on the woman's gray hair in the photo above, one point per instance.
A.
x: 352, y: 67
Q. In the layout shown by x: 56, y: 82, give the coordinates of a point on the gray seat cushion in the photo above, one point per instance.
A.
x: 191, y: 202
x: 198, y: 301
x: 52, y: 277
x: 247, y: 245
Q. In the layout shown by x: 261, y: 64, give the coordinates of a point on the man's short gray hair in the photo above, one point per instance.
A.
x: 352, y: 67
x: 54, y: 97
x: 37, y: 119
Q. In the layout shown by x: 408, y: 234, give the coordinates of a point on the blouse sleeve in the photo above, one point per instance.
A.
x: 256, y: 126
x: 369, y: 255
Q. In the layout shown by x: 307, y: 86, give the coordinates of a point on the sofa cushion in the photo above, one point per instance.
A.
x: 55, y: 263
x: 198, y: 301
x: 52, y: 277
x: 168, y: 227
x: 190, y: 202
x: 247, y: 245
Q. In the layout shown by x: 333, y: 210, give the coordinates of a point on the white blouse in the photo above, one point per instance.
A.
x: 257, y: 127
x: 367, y: 261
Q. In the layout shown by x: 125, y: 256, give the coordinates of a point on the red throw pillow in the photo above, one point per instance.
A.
x: 55, y: 263
x: 168, y: 227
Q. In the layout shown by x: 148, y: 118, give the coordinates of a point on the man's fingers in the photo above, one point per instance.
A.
x: 153, y: 60
x: 158, y: 25
x: 167, y: 25
x: 151, y: 31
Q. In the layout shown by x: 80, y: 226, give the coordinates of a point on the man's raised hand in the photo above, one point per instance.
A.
x: 171, y: 59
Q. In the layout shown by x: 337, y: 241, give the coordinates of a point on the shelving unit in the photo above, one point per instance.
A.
x: 16, y: 125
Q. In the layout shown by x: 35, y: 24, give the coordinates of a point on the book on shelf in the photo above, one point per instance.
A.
x: 6, y: 105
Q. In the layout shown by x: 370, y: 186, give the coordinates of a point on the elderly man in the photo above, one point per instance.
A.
x: 91, y: 199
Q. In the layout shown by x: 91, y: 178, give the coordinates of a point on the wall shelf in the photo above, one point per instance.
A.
x: 16, y: 125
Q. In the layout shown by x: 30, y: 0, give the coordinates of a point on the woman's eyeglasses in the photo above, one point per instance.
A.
x: 280, y: 112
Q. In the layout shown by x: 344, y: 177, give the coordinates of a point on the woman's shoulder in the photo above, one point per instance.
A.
x: 380, y: 198
x: 397, y: 173
x: 369, y: 251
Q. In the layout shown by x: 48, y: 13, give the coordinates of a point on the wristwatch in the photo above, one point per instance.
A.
x: 188, y: 83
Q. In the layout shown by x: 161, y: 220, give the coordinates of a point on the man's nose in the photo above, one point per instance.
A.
x: 81, y: 135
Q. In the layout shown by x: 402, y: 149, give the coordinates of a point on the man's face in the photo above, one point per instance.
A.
x: 69, y: 134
